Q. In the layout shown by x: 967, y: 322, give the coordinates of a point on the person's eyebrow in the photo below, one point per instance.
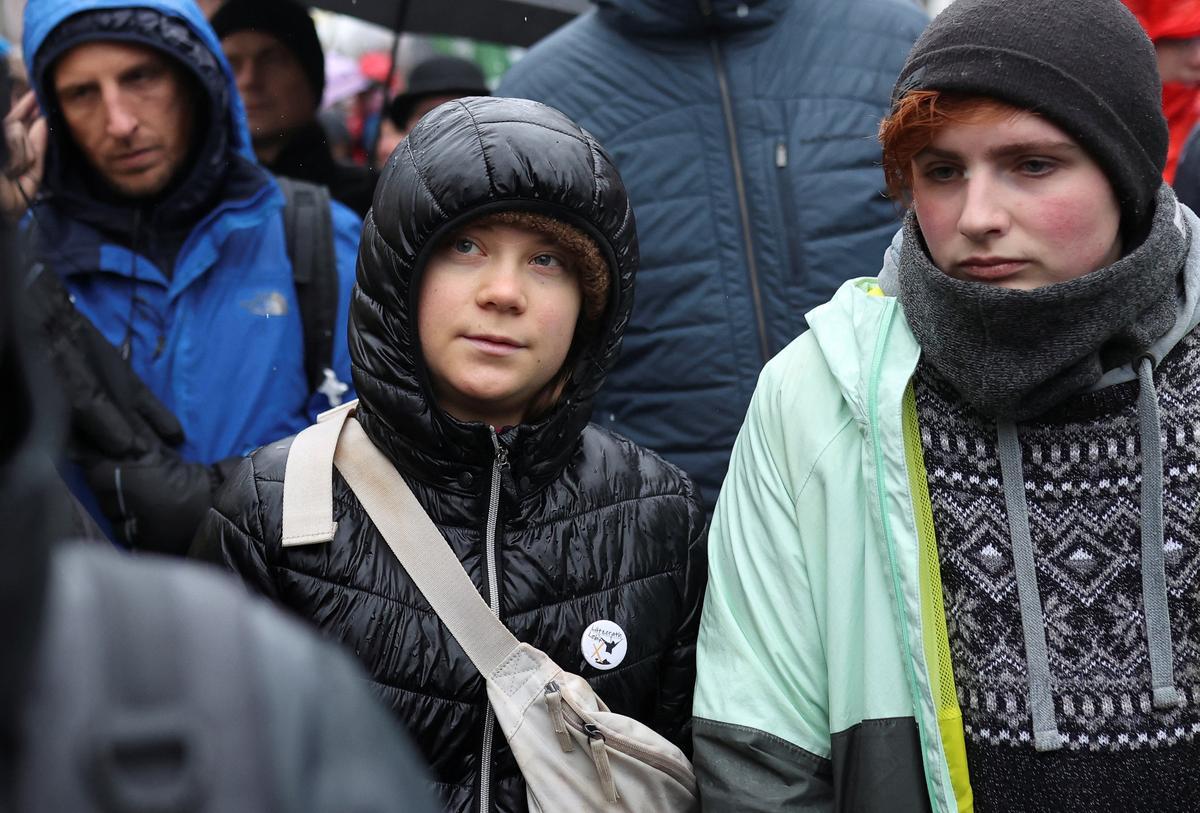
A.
x: 73, y: 87
x: 147, y: 64
x: 1008, y: 150
x: 1033, y: 147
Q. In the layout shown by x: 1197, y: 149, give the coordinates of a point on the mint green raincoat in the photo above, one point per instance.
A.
x: 812, y: 646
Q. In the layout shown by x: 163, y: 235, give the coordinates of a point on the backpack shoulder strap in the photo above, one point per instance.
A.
x: 308, y: 230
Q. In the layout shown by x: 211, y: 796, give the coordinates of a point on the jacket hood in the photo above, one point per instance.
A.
x: 465, y: 159
x: 1167, y: 19
x: 673, y: 18
x: 173, y: 27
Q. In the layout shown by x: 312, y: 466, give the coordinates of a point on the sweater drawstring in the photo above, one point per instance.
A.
x: 1154, y: 573
x: 1046, y: 736
x: 1033, y: 625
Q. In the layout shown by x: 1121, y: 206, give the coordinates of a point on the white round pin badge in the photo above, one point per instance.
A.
x: 604, y: 644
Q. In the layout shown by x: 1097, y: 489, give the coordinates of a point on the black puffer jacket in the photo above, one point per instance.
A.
x: 590, y: 526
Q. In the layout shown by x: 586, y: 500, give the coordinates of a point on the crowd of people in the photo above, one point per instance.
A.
x: 805, y: 392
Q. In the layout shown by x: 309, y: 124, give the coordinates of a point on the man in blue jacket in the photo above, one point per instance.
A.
x: 171, y: 241
x: 744, y: 130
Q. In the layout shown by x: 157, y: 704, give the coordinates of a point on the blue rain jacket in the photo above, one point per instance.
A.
x: 199, y: 285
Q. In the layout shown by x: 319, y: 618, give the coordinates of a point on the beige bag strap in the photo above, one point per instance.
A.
x: 422, y: 550
x: 308, y: 480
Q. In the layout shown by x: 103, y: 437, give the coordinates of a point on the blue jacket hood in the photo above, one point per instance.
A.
x: 43, y: 16
x: 221, y: 164
x: 670, y: 18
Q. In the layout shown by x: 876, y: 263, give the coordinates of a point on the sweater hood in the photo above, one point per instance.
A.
x: 468, y: 158
x: 675, y: 18
x: 177, y: 29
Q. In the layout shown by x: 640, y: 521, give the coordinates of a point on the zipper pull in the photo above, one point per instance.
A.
x: 781, y: 155
x: 501, y: 452
x: 600, y: 758
x: 555, y: 703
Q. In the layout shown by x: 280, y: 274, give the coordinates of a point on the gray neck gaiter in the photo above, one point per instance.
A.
x: 1013, y: 355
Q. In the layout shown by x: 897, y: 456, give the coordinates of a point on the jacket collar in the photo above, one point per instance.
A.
x: 306, y: 154
x: 674, y: 18
x: 864, y: 339
x: 76, y: 245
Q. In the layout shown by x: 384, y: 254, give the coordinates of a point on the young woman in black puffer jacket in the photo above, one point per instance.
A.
x: 447, y: 353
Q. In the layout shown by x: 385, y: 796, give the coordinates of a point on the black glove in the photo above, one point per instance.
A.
x: 158, y: 501
x: 122, y: 436
x: 112, y: 411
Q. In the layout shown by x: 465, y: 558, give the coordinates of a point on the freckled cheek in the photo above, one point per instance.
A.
x: 556, y: 324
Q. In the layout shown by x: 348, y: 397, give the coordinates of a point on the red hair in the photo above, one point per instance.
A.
x: 915, y: 122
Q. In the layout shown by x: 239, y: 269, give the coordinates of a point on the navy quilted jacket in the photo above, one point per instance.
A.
x: 745, y: 132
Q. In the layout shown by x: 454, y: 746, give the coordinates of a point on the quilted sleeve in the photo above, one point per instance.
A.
x: 231, y: 535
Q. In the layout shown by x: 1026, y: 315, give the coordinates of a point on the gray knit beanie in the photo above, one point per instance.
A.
x: 1085, y: 65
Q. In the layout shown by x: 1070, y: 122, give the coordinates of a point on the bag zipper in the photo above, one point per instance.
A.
x: 562, y: 708
x: 600, y: 760
x: 499, y: 463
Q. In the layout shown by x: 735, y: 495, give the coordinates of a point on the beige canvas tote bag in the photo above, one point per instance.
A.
x: 574, y: 753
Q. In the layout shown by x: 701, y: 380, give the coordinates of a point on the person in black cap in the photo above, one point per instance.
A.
x: 277, y: 60
x: 967, y: 577
x: 434, y: 81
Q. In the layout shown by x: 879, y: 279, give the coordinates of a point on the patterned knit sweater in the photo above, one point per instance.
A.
x: 1082, y: 469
